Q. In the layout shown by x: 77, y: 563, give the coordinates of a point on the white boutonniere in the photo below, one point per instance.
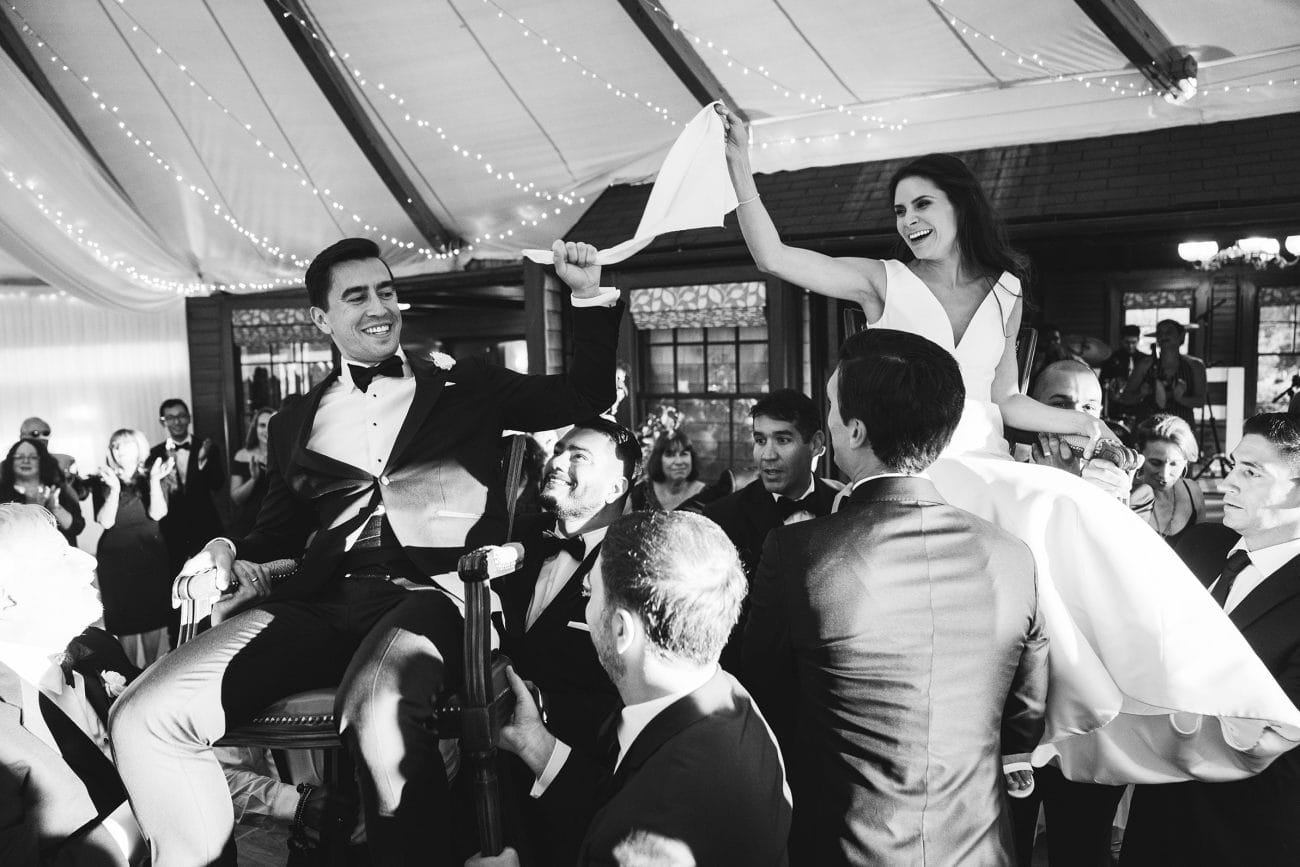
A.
x: 442, y: 360
x: 114, y: 683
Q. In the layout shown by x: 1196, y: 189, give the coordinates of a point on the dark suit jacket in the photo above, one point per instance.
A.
x: 554, y: 654
x: 1255, y: 821
x: 442, y: 485
x: 191, y: 519
x: 747, y: 516
x: 705, y: 771
x: 898, y: 651
x: 52, y: 802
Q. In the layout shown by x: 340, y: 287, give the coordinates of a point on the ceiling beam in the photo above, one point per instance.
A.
x: 1143, y: 42
x: 336, y: 85
x: 676, y: 50
x: 13, y: 45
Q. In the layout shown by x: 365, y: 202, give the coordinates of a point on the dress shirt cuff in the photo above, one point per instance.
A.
x: 1008, y: 767
x: 559, y: 755
x: 608, y: 297
x: 234, y: 552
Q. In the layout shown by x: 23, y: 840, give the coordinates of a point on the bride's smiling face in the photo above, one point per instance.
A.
x: 925, y: 218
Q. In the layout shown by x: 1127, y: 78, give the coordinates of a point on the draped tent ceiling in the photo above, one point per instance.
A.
x: 217, y: 161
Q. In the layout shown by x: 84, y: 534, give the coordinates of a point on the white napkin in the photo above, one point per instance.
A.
x: 692, y: 191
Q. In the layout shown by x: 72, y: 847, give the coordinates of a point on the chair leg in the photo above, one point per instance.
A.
x: 336, y: 830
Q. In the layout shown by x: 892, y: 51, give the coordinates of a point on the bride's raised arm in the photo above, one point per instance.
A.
x: 861, y: 281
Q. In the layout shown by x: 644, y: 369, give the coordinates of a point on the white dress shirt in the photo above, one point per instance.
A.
x: 181, y: 454
x: 1263, y: 563
x: 555, y: 574
x: 360, y: 427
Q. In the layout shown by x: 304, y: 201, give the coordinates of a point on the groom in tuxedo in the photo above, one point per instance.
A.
x: 378, y: 479
x: 1251, y: 565
x: 896, y: 646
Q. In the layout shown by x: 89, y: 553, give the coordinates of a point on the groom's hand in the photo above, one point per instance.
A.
x: 575, y: 264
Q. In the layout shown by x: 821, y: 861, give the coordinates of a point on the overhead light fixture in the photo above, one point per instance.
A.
x: 1293, y: 245
x: 1256, y: 251
x: 1197, y: 251
x: 1257, y: 246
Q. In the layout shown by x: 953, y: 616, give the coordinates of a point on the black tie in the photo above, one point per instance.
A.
x: 85, y: 759
x: 362, y: 376
x: 553, y: 544
x: 788, y: 507
x: 1238, y: 561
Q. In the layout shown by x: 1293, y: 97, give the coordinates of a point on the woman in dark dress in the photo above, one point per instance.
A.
x: 30, y: 474
x: 134, y: 576
x: 248, y: 479
x: 1176, y: 502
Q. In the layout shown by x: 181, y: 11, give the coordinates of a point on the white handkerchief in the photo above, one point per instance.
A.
x: 578, y: 624
x: 692, y: 190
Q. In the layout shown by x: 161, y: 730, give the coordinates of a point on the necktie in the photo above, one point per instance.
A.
x: 1238, y: 561
x: 788, y: 507
x: 85, y: 759
x: 363, y: 376
x: 553, y: 544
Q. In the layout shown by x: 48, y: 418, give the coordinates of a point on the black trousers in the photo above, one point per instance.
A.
x: 1079, y: 819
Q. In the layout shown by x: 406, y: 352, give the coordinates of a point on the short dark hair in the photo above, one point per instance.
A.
x: 171, y: 402
x: 1281, y: 429
x: 317, y: 279
x: 906, y: 390
x: 1131, y: 331
x: 663, y: 444
x: 626, y: 446
x: 681, y: 575
x: 47, y: 465
x: 786, y: 404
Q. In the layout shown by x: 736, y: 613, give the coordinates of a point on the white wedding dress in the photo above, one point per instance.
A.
x: 1150, y: 681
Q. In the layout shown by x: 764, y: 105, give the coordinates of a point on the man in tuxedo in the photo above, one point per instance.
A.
x: 197, y: 476
x: 1251, y: 565
x: 788, y: 440
x: 689, y: 759
x: 61, y: 800
x: 391, y: 467
x: 897, y: 646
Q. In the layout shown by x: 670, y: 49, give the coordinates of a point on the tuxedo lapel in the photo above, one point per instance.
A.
x: 689, y: 709
x: 86, y: 760
x: 302, y: 455
x: 558, y: 608
x: 1272, y: 592
x: 429, y: 383
x: 760, y: 513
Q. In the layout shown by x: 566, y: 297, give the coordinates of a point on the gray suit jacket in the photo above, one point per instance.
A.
x: 897, y: 648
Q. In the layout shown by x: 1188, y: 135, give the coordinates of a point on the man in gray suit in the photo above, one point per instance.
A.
x: 896, y: 646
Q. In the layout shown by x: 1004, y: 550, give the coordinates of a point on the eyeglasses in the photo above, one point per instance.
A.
x: 185, y: 416
x: 36, y: 434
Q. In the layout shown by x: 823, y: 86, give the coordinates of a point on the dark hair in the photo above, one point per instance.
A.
x: 981, y: 236
x: 169, y: 403
x: 626, y: 446
x: 1130, y: 331
x: 250, y: 441
x: 48, y: 466
x: 1170, y: 429
x: 786, y: 404
x: 906, y: 390
x: 317, y: 279
x: 655, y: 463
x: 1281, y: 429
x: 681, y: 575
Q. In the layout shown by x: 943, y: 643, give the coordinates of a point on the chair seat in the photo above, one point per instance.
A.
x: 304, y: 720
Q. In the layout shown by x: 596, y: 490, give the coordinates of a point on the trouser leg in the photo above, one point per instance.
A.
x: 385, y: 707
x: 1079, y: 819
x: 164, y: 725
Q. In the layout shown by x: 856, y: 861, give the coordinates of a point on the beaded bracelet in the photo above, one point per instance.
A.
x: 304, y: 792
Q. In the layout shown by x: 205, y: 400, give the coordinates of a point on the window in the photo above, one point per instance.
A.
x: 279, y: 353
x: 1145, y: 309
x: 712, y: 376
x: 1278, y: 345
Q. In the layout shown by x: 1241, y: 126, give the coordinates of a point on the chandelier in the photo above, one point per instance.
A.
x: 1260, y: 253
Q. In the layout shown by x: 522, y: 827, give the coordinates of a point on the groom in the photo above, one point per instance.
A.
x: 896, y: 646
x: 379, y: 478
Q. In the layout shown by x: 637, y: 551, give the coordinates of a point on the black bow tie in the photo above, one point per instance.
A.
x: 787, y: 507
x: 184, y: 445
x: 362, y: 376
x: 553, y: 544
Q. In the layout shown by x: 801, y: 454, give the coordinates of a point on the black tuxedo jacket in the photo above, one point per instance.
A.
x: 556, y: 653
x: 52, y: 802
x: 705, y: 771
x: 1248, y: 822
x: 442, y: 487
x: 898, y: 650
x: 191, y: 518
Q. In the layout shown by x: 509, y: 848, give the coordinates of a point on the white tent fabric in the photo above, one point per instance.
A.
x: 510, y: 116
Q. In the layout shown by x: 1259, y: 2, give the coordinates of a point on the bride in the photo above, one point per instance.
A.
x: 1150, y: 681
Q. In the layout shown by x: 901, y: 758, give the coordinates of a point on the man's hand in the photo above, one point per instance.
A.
x: 526, y: 735
x: 575, y: 264
x: 205, y: 449
x: 251, y: 584
x: 1019, y: 782
x: 1052, y: 450
x: 1108, y: 476
x: 216, y: 555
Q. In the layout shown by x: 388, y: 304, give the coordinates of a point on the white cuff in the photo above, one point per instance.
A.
x: 1008, y: 767
x: 559, y: 755
x: 234, y: 552
x: 608, y: 297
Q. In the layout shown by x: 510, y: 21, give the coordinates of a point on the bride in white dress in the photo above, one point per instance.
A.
x: 1150, y: 681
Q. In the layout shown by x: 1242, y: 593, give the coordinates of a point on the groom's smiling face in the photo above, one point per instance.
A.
x: 362, y: 317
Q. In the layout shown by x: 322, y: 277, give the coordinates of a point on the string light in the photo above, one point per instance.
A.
x: 585, y: 71
x: 786, y: 91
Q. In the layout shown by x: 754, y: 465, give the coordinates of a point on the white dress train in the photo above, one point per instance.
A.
x: 1150, y: 680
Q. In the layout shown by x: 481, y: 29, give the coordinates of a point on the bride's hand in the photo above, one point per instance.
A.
x: 737, y: 142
